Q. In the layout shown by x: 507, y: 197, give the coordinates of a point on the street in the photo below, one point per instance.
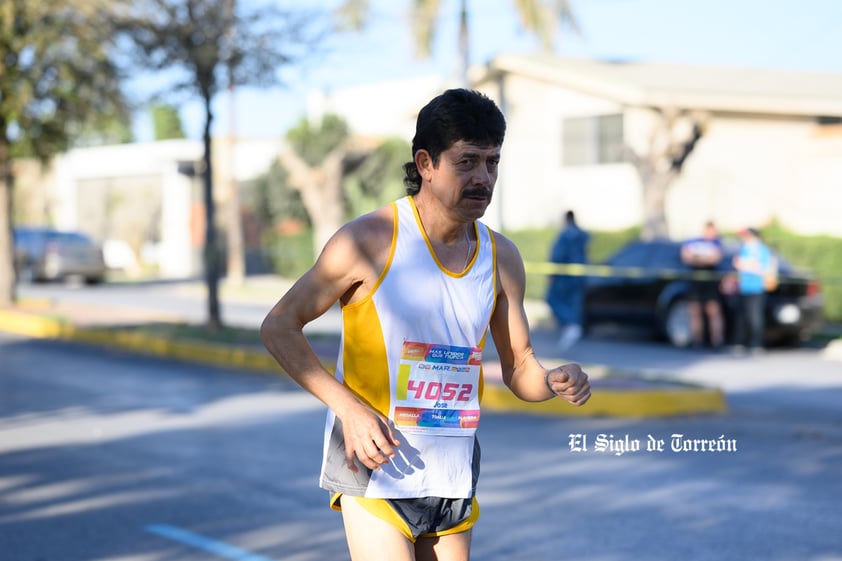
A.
x: 109, y: 456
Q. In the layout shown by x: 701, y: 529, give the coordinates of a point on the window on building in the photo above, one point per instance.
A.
x: 592, y: 140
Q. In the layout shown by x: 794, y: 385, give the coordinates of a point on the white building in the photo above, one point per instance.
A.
x: 143, y: 196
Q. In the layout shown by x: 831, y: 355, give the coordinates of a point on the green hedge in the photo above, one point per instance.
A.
x: 821, y: 255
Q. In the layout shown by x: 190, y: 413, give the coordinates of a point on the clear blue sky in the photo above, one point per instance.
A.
x: 786, y: 34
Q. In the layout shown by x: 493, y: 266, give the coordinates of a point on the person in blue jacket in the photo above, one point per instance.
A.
x: 566, y: 293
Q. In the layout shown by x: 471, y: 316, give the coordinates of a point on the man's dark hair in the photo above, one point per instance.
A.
x: 455, y: 115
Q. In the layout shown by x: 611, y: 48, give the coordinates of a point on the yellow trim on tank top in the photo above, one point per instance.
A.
x: 435, y: 257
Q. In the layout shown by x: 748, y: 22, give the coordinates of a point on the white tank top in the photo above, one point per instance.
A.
x: 411, y: 349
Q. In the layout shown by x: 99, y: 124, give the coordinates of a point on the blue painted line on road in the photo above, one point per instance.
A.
x: 218, y: 548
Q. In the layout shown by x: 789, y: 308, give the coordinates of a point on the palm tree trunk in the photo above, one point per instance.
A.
x: 464, y: 44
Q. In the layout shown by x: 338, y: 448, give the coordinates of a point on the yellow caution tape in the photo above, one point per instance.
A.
x: 578, y: 270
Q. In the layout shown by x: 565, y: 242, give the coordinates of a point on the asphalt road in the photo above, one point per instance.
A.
x: 110, y: 456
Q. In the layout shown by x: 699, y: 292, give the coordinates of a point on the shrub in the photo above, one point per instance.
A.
x: 821, y: 255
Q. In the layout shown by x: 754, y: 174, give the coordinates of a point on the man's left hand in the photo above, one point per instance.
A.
x: 570, y: 382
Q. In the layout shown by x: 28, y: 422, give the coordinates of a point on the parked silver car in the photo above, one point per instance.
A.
x: 45, y: 254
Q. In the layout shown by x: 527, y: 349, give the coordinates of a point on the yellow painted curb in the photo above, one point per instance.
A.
x: 32, y: 325
x: 659, y: 402
x: 39, y: 327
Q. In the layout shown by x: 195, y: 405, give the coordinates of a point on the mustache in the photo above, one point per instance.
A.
x: 478, y: 192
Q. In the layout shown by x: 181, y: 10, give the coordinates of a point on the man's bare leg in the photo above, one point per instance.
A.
x: 370, y: 538
x: 453, y: 547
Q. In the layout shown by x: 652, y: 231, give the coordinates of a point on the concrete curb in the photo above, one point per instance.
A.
x: 612, y: 396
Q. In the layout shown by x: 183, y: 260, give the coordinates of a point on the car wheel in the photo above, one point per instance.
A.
x: 677, y: 324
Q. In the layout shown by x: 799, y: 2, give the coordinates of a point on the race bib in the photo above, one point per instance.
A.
x: 437, y: 389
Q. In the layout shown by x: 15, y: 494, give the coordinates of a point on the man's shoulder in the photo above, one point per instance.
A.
x: 382, y: 215
x: 368, y: 230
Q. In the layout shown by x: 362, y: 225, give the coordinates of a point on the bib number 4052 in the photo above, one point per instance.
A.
x: 450, y: 391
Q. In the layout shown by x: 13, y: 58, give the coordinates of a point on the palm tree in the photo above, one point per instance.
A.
x: 543, y: 18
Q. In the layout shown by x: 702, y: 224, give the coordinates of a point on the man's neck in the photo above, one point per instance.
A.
x: 438, y: 226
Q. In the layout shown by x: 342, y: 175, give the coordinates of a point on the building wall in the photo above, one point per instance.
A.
x: 813, y: 201
x: 748, y: 170
x: 752, y: 170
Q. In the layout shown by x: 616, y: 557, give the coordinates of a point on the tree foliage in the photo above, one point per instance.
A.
x: 314, y: 141
x: 378, y: 178
x: 58, y: 79
x: 272, y: 199
x: 166, y: 123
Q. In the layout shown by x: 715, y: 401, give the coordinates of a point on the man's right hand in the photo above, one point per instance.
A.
x: 368, y: 437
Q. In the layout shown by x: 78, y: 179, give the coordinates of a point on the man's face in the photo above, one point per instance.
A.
x: 464, y: 178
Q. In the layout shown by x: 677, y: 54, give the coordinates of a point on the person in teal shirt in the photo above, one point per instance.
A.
x: 753, y: 263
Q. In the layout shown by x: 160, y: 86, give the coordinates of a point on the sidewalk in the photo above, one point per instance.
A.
x: 615, y: 393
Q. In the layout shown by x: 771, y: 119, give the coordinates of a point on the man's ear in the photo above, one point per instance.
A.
x: 424, y: 163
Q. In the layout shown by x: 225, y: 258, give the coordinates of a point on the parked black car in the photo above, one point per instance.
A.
x: 45, y: 254
x: 651, y: 291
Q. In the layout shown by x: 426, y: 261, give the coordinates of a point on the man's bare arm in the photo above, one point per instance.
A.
x: 344, y: 266
x: 522, y: 372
